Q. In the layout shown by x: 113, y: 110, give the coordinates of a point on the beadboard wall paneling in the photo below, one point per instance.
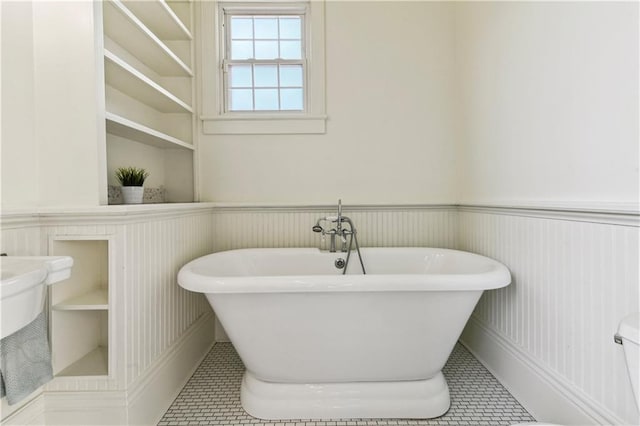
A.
x: 575, y: 275
x: 21, y: 240
x: 149, y: 312
x: 158, y: 310
x: 376, y: 226
x: 573, y: 281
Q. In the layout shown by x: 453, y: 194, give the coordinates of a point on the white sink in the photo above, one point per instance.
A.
x: 23, y: 287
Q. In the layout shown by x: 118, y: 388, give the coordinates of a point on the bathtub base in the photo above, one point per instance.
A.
x: 417, y: 399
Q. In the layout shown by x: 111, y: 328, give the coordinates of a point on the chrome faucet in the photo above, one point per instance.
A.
x: 337, y: 231
x: 341, y: 232
x: 331, y: 232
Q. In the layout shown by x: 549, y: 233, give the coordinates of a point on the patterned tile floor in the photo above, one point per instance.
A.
x: 212, y: 397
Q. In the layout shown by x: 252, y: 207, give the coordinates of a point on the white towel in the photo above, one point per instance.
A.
x: 25, y: 360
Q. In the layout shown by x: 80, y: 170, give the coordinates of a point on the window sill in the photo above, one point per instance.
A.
x: 264, y: 124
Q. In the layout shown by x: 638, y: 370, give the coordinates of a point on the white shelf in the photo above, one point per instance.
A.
x: 122, y: 76
x: 122, y: 26
x: 160, y: 19
x: 92, y: 301
x: 125, y: 128
x: 95, y: 363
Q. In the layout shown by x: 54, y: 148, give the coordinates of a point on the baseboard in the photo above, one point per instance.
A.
x: 85, y: 408
x: 151, y: 395
x: 31, y: 413
x: 146, y: 399
x: 547, y: 397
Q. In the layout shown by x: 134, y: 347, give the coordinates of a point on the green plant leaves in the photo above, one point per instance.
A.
x: 131, y: 176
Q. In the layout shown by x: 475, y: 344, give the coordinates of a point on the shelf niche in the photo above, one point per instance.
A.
x: 79, y: 318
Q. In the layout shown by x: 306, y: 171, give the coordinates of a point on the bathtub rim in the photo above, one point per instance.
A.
x: 497, y: 277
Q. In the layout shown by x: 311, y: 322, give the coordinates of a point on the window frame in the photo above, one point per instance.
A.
x: 215, y: 117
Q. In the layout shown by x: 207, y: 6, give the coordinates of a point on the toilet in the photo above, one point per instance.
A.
x: 628, y: 336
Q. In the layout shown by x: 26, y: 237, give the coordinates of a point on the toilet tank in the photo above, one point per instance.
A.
x: 629, y: 332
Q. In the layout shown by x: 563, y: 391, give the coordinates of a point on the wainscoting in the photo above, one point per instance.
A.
x: 549, y: 335
x: 377, y: 226
x: 158, y: 332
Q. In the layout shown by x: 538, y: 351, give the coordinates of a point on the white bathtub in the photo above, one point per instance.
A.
x: 318, y: 344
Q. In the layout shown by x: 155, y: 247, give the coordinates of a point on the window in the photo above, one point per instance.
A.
x: 263, y: 67
x: 264, y: 63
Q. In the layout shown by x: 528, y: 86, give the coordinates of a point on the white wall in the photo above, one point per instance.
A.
x: 18, y: 150
x: 548, y: 101
x: 389, y: 70
x: 66, y: 90
x: 50, y: 123
x: 541, y: 98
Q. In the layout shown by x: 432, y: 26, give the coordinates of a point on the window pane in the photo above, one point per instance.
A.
x: 266, y: 99
x: 241, y: 28
x: 290, y: 27
x: 266, y: 75
x: 241, y: 50
x: 291, y: 99
x: 265, y: 69
x: 240, y: 75
x: 291, y: 75
x: 266, y: 28
x: 266, y: 49
x: 290, y: 50
x: 241, y: 100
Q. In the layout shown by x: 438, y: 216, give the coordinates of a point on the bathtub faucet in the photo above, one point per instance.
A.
x: 337, y: 231
x: 342, y: 232
x: 330, y: 232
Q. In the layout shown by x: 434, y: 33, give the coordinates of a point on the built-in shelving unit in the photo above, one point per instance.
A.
x: 149, y: 92
x: 79, y: 320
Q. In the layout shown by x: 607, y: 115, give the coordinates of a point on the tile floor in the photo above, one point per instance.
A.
x: 212, y: 397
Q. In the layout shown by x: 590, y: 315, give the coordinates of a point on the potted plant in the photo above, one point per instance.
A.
x: 132, y: 181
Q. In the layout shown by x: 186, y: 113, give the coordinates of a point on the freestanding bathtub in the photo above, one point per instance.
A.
x: 317, y: 344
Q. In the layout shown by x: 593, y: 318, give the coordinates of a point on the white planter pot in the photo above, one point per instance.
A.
x: 132, y: 194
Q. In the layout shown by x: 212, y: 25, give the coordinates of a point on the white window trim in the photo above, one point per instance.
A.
x: 214, y: 118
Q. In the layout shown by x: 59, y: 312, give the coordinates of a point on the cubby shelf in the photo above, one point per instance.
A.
x: 122, y: 76
x: 160, y: 19
x: 125, y: 128
x: 125, y: 28
x: 79, y: 317
x: 95, y: 363
x: 94, y: 300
